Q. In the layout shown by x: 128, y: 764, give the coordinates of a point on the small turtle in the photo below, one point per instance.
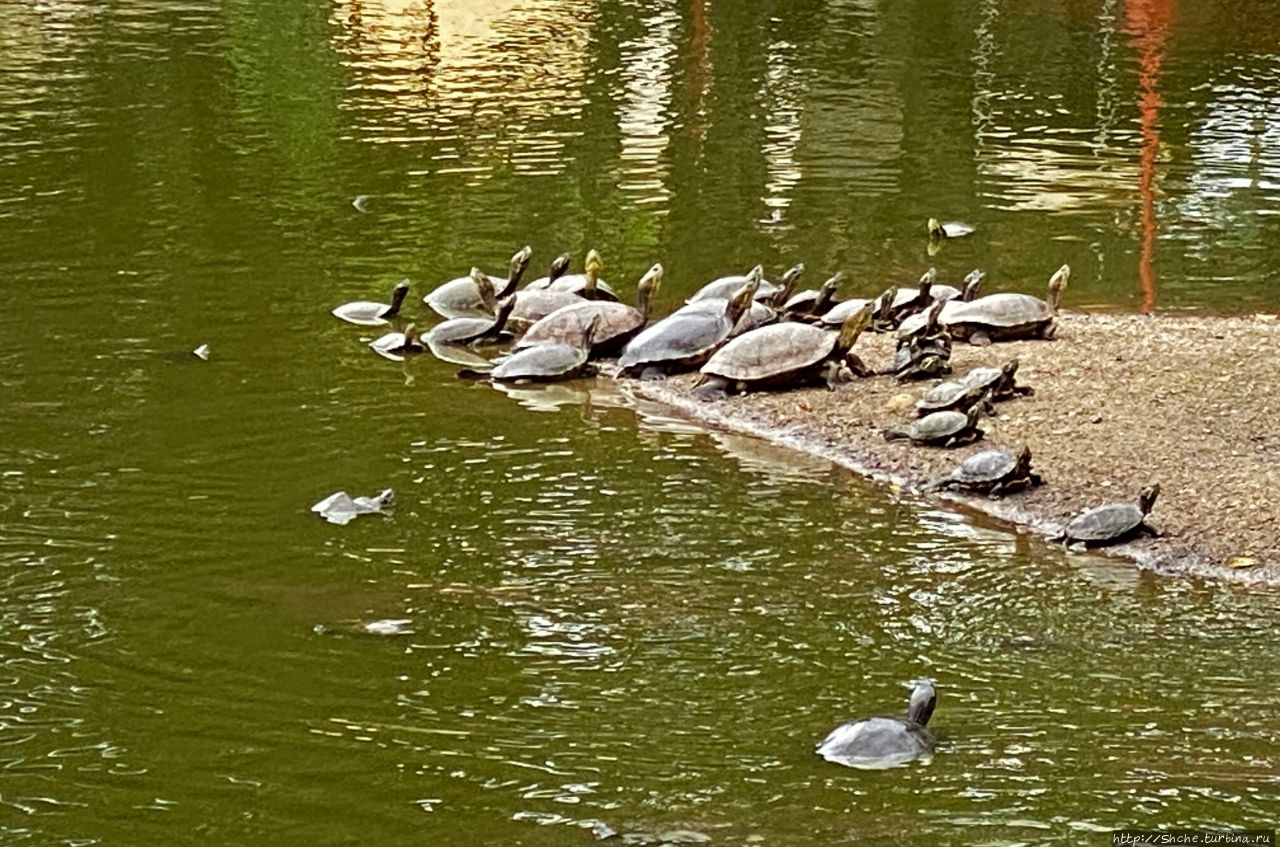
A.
x: 782, y: 355
x: 967, y: 291
x: 814, y: 301
x: 955, y: 397
x: 941, y: 429
x: 907, y: 302
x: 548, y: 362
x: 950, y: 229
x: 1001, y: 381
x: 465, y: 298
x: 685, y: 339
x: 1112, y: 523
x: 366, y: 313
x: 395, y: 345
x: 1008, y: 315
x: 451, y: 340
x: 883, y: 742
x: 586, y: 285
x: 997, y: 472
x: 341, y: 508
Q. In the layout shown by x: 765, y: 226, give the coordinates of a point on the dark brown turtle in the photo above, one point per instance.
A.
x: 1008, y: 315
x: 1112, y: 523
x: 996, y: 472
x: 941, y: 429
x: 1001, y: 381
x: 548, y: 362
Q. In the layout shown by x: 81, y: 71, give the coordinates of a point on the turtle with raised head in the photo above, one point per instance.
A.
x: 588, y: 285
x: 814, y: 301
x: 686, y: 338
x: 619, y: 322
x: 953, y: 397
x: 367, y: 313
x: 949, y: 229
x: 396, y: 345
x: 1001, y: 382
x: 883, y: 742
x: 1008, y: 315
x: 466, y: 297
x: 451, y: 340
x: 783, y: 355
x: 726, y: 286
x: 995, y: 472
x: 941, y: 429
x: 1112, y: 523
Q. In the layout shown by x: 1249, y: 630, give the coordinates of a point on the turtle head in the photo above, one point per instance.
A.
x: 594, y: 264
x: 740, y: 303
x: 559, y: 266
x: 397, y: 297
x: 931, y: 319
x: 484, y: 285
x: 832, y: 285
x: 882, y: 305
x: 972, y: 283
x: 589, y: 333
x: 648, y: 287
x: 519, y: 262
x: 1147, y: 497
x: 923, y: 700
x: 1009, y: 369
x: 852, y: 327
x: 790, y: 280
x: 503, y: 311
x: 1022, y: 461
x: 926, y: 282
x: 1057, y: 285
x: 935, y: 229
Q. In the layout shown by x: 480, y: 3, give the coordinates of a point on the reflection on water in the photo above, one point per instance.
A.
x: 581, y: 608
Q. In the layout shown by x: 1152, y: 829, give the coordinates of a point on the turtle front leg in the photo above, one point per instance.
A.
x: 980, y: 339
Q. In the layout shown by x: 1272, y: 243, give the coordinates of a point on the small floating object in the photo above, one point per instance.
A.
x: 366, y: 313
x: 950, y: 229
x: 341, y: 509
x: 201, y: 352
x: 884, y: 742
x: 361, y: 203
x: 1112, y: 523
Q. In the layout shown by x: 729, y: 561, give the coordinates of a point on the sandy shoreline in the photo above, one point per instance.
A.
x: 1120, y: 401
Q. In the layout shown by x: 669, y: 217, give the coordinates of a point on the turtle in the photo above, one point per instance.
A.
x: 726, y: 286
x: 548, y: 362
x: 950, y: 229
x: 449, y: 340
x: 996, y: 472
x: 394, y: 345
x: 926, y: 353
x: 883, y: 742
x: 588, y: 284
x: 464, y: 298
x: 533, y: 306
x: 941, y: 429
x: 814, y: 301
x: 782, y: 355
x: 836, y: 315
x: 907, y: 302
x: 341, y: 508
x: 686, y: 339
x: 1001, y: 381
x: 1112, y: 523
x: 955, y: 397
x: 366, y: 313
x: 967, y: 291
x: 757, y: 314
x: 618, y: 321
x: 1007, y: 315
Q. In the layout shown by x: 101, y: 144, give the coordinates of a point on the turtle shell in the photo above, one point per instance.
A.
x: 683, y: 336
x: 771, y: 351
x: 941, y: 396
x: 1105, y: 523
x: 577, y: 284
x: 1006, y: 310
x: 546, y: 361
x: 938, y: 426
x: 724, y: 288
x: 566, y: 324
x: 987, y: 466
x: 839, y: 313
x: 460, y: 298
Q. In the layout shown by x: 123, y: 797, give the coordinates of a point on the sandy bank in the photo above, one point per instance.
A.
x: 1120, y: 401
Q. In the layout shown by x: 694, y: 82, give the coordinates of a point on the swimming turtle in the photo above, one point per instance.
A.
x: 814, y: 301
x: 559, y: 267
x: 950, y: 229
x: 1112, y: 523
x: 781, y: 355
x: 997, y: 472
x: 954, y: 397
x: 942, y: 429
x: 366, y: 313
x: 618, y: 321
x: 1001, y: 381
x: 883, y: 742
x: 341, y: 508
x: 548, y: 362
x: 685, y: 339
x: 726, y: 286
x: 464, y: 298
x: 395, y: 345
x: 533, y: 306
x: 449, y: 340
x: 1008, y: 315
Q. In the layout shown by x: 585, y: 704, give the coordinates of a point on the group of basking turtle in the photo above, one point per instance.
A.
x: 744, y: 333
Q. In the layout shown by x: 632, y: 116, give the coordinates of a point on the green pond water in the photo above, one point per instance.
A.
x: 603, y: 614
